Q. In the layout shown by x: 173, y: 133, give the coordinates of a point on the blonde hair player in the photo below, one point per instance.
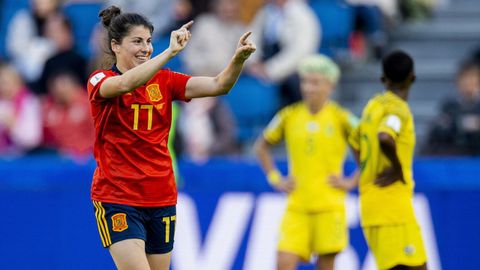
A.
x: 315, y: 131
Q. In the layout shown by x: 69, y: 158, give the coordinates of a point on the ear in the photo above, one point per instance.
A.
x: 115, y: 46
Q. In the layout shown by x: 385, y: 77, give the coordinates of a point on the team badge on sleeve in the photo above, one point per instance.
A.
x: 394, y: 122
x: 119, y: 222
x: 154, y: 93
x: 97, y: 78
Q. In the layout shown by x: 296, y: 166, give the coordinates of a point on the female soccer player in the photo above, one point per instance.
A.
x: 315, y: 131
x: 133, y: 188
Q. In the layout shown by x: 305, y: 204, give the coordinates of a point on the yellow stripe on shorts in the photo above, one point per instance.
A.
x: 102, y: 224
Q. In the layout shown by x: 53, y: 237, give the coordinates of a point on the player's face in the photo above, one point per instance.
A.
x: 136, y: 48
x: 315, y: 87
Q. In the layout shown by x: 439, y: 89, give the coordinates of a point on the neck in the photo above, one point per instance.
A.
x: 121, y: 67
x: 315, y: 107
x: 402, y: 93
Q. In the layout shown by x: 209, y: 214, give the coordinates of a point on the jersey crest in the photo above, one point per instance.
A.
x: 154, y: 93
x: 119, y: 222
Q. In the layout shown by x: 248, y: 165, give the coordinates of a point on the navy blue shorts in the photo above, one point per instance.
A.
x: 155, y: 225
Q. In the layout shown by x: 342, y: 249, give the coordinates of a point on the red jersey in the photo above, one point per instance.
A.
x: 131, y: 137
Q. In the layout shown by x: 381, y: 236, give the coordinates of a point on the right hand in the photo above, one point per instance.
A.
x: 179, y: 38
x: 286, y: 185
x: 244, y: 48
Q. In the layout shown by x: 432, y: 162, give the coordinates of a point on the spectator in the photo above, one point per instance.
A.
x: 388, y: 8
x: 369, y: 30
x: 206, y: 127
x: 68, y: 126
x: 286, y: 31
x: 27, y: 44
x: 223, y: 22
x: 416, y: 10
x: 456, y: 130
x: 20, y: 121
x: 59, y: 30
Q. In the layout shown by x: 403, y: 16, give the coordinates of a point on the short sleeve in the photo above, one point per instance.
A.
x: 349, y: 121
x: 391, y: 124
x: 354, y: 138
x: 178, y: 84
x: 274, y: 132
x: 94, y: 83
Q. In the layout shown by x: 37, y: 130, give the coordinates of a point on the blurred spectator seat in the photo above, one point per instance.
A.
x: 253, y: 103
x: 336, y: 18
x: 159, y: 46
x: 8, y: 8
x: 83, y: 17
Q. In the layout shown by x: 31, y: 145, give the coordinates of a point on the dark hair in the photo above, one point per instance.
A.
x: 397, y: 66
x: 466, y: 66
x: 119, y: 24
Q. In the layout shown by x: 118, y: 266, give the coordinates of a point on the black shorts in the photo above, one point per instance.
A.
x: 155, y: 225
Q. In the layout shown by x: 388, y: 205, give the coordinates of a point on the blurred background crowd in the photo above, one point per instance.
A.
x: 49, y: 47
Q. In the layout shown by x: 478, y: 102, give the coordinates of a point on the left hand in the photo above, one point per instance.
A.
x: 179, y: 38
x: 244, y: 48
x: 389, y: 176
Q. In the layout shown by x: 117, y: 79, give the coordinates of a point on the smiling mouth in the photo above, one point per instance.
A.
x: 142, y: 58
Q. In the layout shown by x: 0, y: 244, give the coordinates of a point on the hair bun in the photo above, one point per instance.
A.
x: 109, y: 14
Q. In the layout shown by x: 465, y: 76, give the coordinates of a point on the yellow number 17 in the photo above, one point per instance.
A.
x: 167, y: 221
x: 136, y: 111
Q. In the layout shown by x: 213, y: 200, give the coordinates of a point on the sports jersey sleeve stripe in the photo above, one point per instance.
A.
x: 349, y: 120
x: 354, y: 138
x: 273, y: 133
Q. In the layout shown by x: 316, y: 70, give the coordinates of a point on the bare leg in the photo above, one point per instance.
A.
x: 159, y: 261
x: 287, y: 261
x: 129, y: 255
x: 326, y: 262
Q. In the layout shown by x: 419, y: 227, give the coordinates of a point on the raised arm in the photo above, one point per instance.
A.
x: 139, y: 75
x: 221, y: 84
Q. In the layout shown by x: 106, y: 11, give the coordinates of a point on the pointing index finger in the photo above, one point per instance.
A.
x: 245, y: 36
x: 187, y: 25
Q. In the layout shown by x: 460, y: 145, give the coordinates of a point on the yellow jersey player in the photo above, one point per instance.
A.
x: 384, y: 146
x: 315, y: 131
